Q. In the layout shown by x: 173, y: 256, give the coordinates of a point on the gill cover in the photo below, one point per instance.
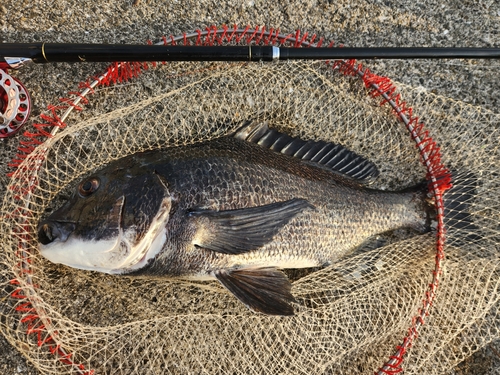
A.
x: 114, y: 221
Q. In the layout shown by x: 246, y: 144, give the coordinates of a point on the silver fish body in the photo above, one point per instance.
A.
x: 233, y: 209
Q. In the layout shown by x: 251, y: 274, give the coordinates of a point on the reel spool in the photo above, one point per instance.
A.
x: 15, y: 104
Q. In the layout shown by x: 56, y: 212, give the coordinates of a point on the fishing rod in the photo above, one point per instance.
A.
x: 16, y: 54
x: 15, y: 102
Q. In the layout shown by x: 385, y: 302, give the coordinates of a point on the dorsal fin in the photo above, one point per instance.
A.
x: 330, y: 155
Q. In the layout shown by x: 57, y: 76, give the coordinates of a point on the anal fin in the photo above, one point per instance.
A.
x: 266, y: 290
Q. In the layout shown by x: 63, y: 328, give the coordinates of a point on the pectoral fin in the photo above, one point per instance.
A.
x: 265, y: 290
x: 242, y: 230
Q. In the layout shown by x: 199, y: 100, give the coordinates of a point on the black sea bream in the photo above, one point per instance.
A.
x: 238, y: 209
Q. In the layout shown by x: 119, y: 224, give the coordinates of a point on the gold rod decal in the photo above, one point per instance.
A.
x: 43, y: 52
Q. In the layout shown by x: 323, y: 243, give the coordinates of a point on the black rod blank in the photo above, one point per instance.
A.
x: 68, y: 52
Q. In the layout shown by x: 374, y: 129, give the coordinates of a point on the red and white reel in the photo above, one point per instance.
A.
x: 15, y: 104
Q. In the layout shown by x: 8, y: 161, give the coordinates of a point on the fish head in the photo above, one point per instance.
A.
x: 114, y: 221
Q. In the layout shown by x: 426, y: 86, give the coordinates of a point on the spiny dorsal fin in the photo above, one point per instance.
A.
x: 330, y: 155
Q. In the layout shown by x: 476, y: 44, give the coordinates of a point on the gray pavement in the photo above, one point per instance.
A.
x: 352, y: 22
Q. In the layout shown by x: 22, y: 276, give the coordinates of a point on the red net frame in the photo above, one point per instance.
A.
x: 38, y: 324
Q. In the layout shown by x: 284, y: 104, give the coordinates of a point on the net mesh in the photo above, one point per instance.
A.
x: 350, y: 317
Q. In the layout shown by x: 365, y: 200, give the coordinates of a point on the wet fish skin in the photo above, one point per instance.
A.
x: 202, y: 208
x: 227, y: 175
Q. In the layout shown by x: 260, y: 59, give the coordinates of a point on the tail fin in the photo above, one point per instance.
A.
x: 459, y: 223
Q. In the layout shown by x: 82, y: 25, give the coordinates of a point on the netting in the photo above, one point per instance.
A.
x: 350, y: 318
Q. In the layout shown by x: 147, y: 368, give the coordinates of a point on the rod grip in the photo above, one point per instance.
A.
x: 31, y: 51
x: 108, y: 53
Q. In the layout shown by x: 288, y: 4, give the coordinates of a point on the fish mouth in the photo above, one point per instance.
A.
x: 117, y: 254
x: 59, y: 243
x: 55, y: 230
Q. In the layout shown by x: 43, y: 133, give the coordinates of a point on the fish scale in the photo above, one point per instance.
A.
x: 345, y: 213
x: 239, y: 209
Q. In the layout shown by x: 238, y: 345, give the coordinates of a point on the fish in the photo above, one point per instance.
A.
x: 239, y: 209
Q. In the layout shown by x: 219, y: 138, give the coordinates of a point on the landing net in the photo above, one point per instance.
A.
x: 421, y: 304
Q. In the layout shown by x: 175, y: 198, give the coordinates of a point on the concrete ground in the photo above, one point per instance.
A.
x: 352, y: 22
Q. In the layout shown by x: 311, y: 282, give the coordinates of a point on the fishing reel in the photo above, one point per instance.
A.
x: 15, y: 103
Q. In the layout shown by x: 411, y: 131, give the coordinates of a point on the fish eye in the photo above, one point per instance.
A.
x: 89, y: 186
